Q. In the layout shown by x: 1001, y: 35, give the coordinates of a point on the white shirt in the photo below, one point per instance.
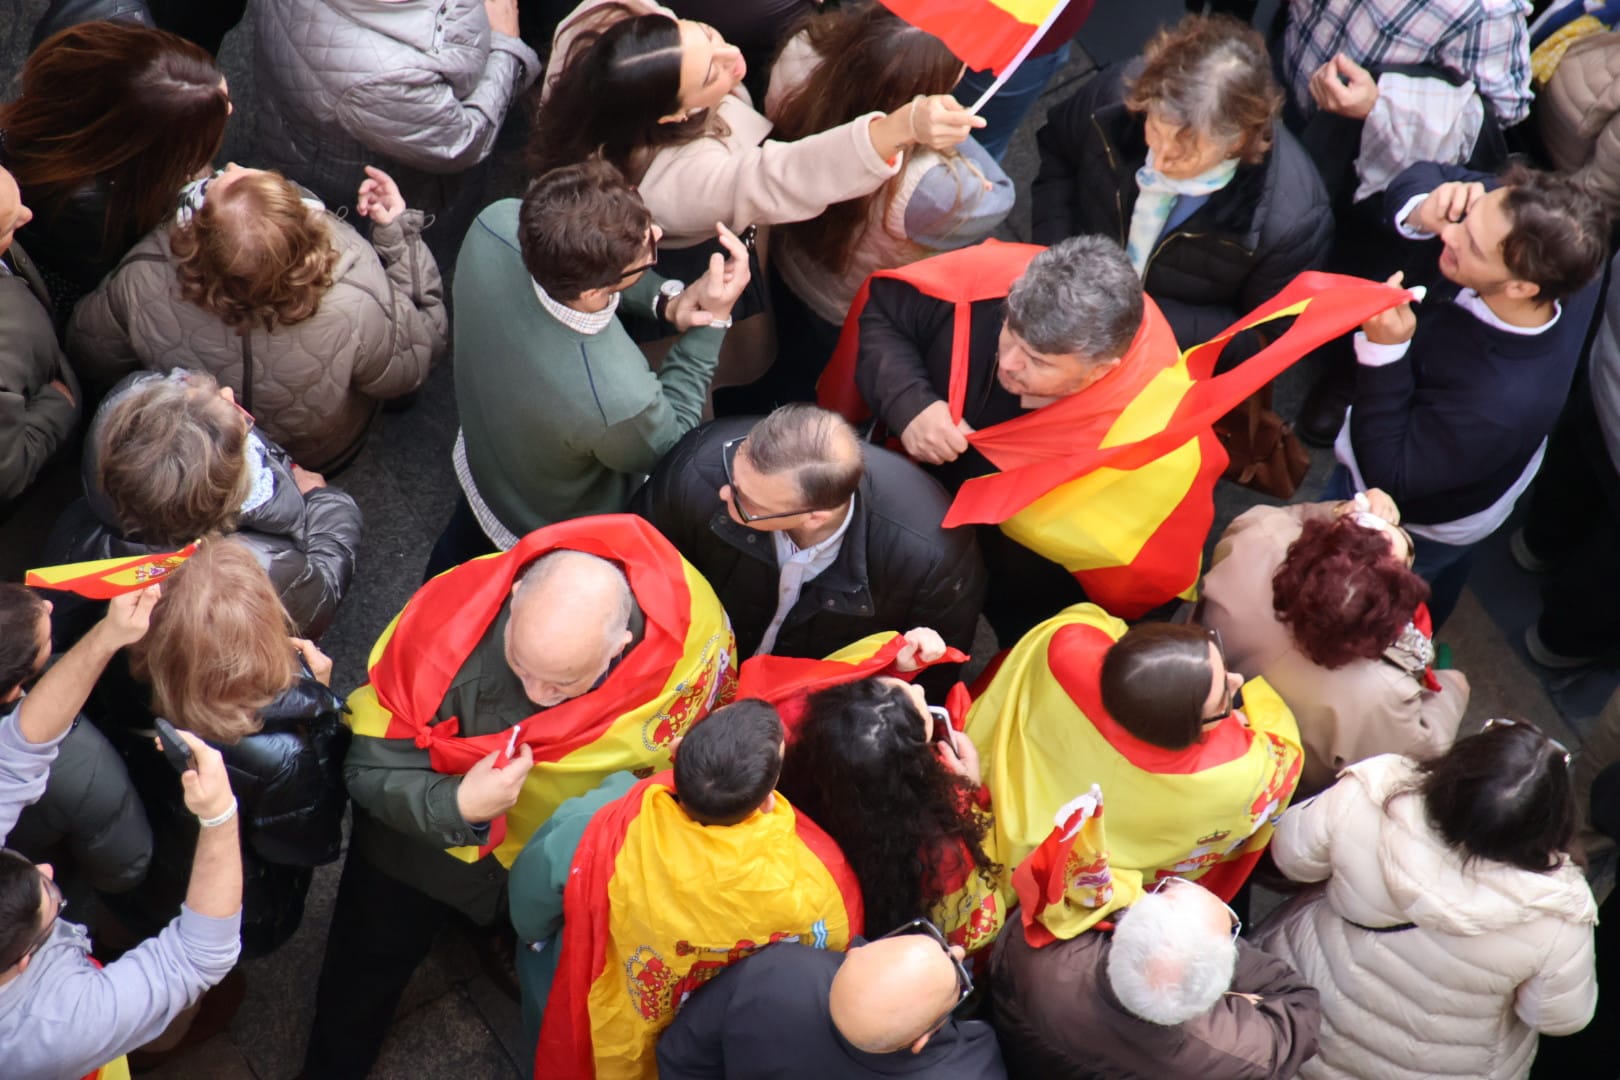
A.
x: 799, y: 565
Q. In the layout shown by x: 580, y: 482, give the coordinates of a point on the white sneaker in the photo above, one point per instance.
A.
x: 1546, y: 657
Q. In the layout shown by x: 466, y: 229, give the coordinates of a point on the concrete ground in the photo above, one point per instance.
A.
x: 453, y: 1021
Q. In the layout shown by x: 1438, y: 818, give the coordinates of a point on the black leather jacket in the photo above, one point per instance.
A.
x: 288, y: 782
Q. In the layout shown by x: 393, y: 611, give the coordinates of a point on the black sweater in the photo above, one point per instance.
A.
x: 1447, y: 429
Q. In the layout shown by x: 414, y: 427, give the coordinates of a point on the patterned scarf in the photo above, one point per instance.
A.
x: 1156, y: 198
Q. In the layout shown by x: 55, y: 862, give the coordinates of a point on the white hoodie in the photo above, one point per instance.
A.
x: 1497, y: 953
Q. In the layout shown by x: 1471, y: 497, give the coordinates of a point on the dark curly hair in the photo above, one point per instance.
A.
x: 859, y: 767
x: 1342, y: 593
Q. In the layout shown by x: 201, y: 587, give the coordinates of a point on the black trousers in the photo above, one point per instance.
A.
x: 381, y: 930
x: 462, y: 539
x: 1574, y: 521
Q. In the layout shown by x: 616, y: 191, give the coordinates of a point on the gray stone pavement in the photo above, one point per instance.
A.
x: 453, y: 1021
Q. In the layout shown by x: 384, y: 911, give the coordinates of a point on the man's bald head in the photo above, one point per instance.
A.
x: 13, y: 214
x: 570, y: 618
x: 890, y: 994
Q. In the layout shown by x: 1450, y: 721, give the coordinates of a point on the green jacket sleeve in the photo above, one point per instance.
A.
x: 391, y: 780
x: 639, y: 297
x: 540, y: 872
x: 636, y: 445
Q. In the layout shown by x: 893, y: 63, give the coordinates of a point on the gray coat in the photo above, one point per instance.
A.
x: 35, y: 420
x: 418, y: 89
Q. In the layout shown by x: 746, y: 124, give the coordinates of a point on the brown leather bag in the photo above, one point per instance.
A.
x: 1264, y: 452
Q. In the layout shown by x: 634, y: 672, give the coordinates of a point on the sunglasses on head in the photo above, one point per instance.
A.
x: 1502, y: 722
x: 964, y: 981
x: 1164, y: 883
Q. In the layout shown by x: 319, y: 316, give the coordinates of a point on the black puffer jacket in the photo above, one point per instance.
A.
x: 895, y: 570
x: 1236, y: 251
x: 288, y: 782
x: 306, y: 543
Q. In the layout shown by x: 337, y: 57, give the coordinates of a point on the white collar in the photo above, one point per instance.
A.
x: 581, y: 322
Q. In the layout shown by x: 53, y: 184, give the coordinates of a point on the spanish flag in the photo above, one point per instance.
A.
x: 657, y: 905
x: 969, y: 911
x: 1204, y: 812
x: 684, y: 666
x: 984, y: 34
x: 103, y: 579
x: 1067, y: 885
x: 1115, y: 483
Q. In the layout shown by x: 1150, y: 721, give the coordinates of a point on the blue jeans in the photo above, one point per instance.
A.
x: 1012, y: 102
x: 1444, y: 566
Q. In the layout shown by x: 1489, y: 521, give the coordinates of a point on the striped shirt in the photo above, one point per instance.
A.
x: 1487, y: 41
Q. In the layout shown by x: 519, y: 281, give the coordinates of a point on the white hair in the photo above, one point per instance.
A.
x: 1167, y: 966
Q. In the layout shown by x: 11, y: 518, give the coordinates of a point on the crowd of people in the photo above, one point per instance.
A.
x: 761, y: 433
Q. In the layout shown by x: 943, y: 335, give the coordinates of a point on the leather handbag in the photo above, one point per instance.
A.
x: 1263, y: 451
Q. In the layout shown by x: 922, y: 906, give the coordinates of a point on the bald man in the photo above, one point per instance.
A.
x: 506, y: 686
x: 1170, y: 991
x: 39, y: 397
x: 811, y: 539
x: 788, y: 1012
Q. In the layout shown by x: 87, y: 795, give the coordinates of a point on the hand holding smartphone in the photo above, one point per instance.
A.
x: 174, y: 747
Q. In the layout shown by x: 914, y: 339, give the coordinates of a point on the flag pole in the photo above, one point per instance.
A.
x: 1040, y: 32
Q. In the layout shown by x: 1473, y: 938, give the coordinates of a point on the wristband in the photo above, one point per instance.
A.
x: 212, y: 822
x: 911, y: 119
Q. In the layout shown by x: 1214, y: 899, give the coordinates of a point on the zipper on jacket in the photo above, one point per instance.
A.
x: 1113, y: 163
x: 1148, y: 267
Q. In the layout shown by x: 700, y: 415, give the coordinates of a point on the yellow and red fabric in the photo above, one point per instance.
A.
x: 984, y: 34
x: 113, y: 1070
x: 1115, y: 483
x: 103, y: 579
x: 1067, y: 885
x: 684, y: 667
x: 656, y: 905
x: 1204, y: 812
x: 970, y: 912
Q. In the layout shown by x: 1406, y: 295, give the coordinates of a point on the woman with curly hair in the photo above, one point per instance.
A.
x: 258, y: 284
x: 887, y: 777
x: 1321, y: 601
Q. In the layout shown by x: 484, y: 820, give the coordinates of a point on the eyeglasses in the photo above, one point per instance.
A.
x: 1159, y: 887
x: 44, y: 935
x: 1231, y: 701
x: 728, y: 455
x: 1502, y: 721
x: 964, y: 981
x: 652, y: 238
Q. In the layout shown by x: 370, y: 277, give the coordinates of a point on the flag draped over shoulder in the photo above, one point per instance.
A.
x: 1203, y: 812
x: 969, y: 911
x: 1115, y: 483
x: 103, y: 579
x: 684, y: 666
x: 656, y: 905
x: 984, y: 34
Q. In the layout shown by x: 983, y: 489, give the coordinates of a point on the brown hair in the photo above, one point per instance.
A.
x: 138, y: 108
x: 579, y: 227
x: 1155, y: 681
x: 869, y: 58
x: 1560, y: 233
x: 816, y: 445
x: 171, y: 457
x: 1211, y: 74
x: 621, y: 74
x: 218, y: 649
x: 254, y: 253
x: 20, y: 608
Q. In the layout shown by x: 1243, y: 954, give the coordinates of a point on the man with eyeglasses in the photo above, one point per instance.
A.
x: 885, y: 1008
x: 811, y: 540
x: 560, y: 415
x: 61, y: 1014
x: 1168, y: 990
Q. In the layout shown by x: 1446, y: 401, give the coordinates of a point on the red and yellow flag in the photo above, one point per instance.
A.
x: 684, y: 666
x: 1204, y: 812
x: 657, y: 905
x: 1115, y: 483
x: 1067, y: 884
x: 103, y: 579
x: 984, y: 34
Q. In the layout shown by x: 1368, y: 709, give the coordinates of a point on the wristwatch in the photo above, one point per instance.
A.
x: 721, y: 324
x: 668, y: 291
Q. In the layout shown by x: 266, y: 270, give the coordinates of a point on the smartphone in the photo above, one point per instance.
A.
x: 174, y: 747
x: 942, y: 726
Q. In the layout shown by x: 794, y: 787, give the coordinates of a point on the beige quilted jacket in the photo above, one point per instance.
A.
x: 1579, y: 114
x: 316, y: 385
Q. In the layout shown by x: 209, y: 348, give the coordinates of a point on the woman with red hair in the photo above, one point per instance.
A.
x: 1321, y: 601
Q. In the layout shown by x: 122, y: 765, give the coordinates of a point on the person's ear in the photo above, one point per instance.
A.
x: 1519, y: 289
x: 1102, y: 367
x: 12, y: 695
x: 624, y: 642
x: 769, y: 804
x: 922, y: 1041
x: 594, y: 299
x: 675, y: 118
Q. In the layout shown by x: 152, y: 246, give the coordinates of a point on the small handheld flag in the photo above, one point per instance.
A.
x: 103, y: 579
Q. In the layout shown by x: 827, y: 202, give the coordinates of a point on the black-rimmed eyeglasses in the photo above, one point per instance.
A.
x: 728, y: 455
x: 964, y: 981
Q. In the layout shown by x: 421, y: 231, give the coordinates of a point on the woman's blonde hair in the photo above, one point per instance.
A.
x: 255, y: 253
x: 218, y: 649
x: 171, y: 458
